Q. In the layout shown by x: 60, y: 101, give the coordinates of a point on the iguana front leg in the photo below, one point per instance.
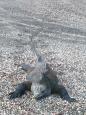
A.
x: 62, y: 92
x: 20, y: 90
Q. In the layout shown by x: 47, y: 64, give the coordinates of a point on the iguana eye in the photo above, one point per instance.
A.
x: 42, y: 91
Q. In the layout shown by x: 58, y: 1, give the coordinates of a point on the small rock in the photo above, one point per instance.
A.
x: 84, y: 113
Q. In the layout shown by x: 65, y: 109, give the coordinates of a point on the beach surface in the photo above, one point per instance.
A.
x: 59, y: 29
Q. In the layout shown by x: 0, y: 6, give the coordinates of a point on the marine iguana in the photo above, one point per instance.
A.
x: 41, y: 81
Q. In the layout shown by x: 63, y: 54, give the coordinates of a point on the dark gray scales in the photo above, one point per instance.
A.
x: 47, y: 85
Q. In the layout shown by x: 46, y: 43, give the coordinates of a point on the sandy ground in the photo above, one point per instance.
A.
x: 59, y: 28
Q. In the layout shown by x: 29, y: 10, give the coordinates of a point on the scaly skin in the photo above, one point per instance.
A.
x: 47, y: 85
